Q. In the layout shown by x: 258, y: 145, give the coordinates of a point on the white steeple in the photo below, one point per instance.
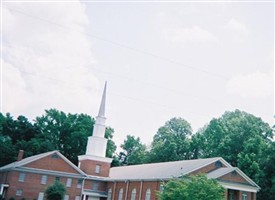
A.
x: 97, y: 143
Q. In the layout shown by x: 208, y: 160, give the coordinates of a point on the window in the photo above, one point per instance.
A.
x: 109, y: 194
x: 234, y: 173
x: 40, y: 196
x: 77, y: 198
x: 120, y: 194
x: 148, y: 194
x: 79, y: 183
x: 19, y: 192
x: 231, y: 195
x: 133, y: 194
x: 55, y: 156
x: 57, y: 178
x: 244, y: 195
x: 44, y: 179
x: 66, y: 197
x: 95, y: 185
x: 161, y: 188
x: 22, y: 177
x: 69, y: 182
x: 218, y: 164
x: 97, y: 169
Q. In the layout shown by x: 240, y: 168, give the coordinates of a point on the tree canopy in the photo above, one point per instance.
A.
x: 192, y: 188
x: 56, y: 191
x: 172, y: 141
x: 134, y: 152
x: 55, y: 130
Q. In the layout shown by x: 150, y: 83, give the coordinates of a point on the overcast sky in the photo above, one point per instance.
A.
x: 160, y: 59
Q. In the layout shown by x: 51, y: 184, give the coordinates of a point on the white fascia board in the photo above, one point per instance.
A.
x: 48, y: 172
x: 240, y: 187
x: 97, y: 158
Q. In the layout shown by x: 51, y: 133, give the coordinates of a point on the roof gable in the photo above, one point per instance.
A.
x: 232, y: 174
x: 53, y: 161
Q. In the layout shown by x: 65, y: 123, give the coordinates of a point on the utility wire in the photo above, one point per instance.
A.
x: 140, y: 51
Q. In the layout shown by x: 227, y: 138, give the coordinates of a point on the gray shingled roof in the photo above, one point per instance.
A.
x: 165, y: 170
x: 220, y: 172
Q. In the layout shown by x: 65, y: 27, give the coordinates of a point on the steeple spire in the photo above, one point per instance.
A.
x: 95, y: 157
x: 101, y: 112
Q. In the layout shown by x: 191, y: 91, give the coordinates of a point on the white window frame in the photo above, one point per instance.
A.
x: 40, y: 196
x: 133, y: 194
x: 44, y: 179
x: 19, y: 192
x: 69, y: 182
x: 22, y: 177
x: 97, y: 169
x: 120, y: 194
x: 66, y: 197
x: 109, y: 194
x: 148, y: 194
x: 244, y: 195
x: 79, y: 183
x: 77, y: 198
x: 95, y: 185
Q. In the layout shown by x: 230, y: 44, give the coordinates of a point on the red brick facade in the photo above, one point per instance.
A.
x: 26, y: 181
x: 89, y: 167
x: 52, y: 162
x: 31, y: 186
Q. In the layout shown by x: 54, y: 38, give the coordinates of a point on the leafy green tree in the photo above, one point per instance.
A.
x: 243, y: 140
x: 14, y: 134
x: 69, y: 133
x: 134, y: 152
x: 172, y: 141
x: 227, y: 135
x: 56, y: 191
x: 267, y: 180
x: 192, y: 188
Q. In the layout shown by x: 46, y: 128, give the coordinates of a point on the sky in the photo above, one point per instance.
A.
x: 193, y: 60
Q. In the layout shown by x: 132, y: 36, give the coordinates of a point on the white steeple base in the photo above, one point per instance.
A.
x: 96, y: 146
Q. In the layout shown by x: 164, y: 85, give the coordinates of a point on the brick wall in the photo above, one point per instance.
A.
x: 32, y: 186
x: 51, y: 163
x: 89, y: 167
x: 234, y: 177
x: 140, y: 187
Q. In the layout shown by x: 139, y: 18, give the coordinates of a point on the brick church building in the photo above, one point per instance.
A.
x: 94, y: 179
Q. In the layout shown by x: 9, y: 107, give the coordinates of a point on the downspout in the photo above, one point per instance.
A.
x: 82, y: 189
x: 140, y: 190
x: 126, y: 192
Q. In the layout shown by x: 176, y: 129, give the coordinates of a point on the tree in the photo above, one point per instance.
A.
x: 227, y: 135
x: 69, y: 133
x: 172, y: 141
x: 134, y: 152
x: 56, y: 191
x: 192, y: 188
x: 241, y: 139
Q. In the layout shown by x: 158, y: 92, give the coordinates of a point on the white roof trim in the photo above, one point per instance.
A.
x: 246, y: 177
x: 49, y: 172
x: 240, y: 187
x: 28, y: 160
x: 217, y: 159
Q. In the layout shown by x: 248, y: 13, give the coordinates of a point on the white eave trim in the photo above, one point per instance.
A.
x: 240, y: 187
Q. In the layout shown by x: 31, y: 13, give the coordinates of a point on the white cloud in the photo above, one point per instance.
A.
x: 47, y: 58
x: 193, y: 34
x: 257, y: 84
x: 236, y: 26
